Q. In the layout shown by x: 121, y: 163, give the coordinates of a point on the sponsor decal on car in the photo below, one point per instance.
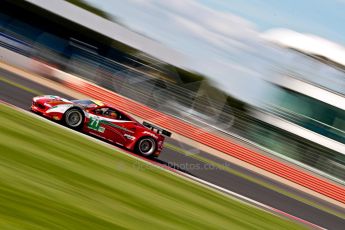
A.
x: 129, y: 137
x: 95, y: 124
x: 151, y: 134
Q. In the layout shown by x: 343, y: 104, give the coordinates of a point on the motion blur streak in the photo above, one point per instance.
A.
x: 256, y: 110
x: 224, y: 174
x: 52, y: 178
x: 299, y: 177
x: 241, y: 198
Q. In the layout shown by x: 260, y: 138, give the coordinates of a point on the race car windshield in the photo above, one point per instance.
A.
x: 84, y: 103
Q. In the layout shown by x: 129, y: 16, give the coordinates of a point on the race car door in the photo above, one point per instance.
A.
x: 105, y: 122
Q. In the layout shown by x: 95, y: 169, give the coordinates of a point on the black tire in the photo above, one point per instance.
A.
x: 74, y: 118
x: 146, y: 146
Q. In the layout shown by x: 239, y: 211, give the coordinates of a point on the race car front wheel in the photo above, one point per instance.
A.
x: 146, y: 146
x: 73, y: 118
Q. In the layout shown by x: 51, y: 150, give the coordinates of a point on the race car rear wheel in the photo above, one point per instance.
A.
x: 146, y: 146
x: 73, y: 118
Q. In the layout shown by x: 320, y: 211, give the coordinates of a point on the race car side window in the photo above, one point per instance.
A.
x: 99, y: 111
x: 123, y: 117
x: 111, y: 113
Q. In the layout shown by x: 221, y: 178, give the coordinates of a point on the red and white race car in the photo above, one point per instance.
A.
x: 104, y: 121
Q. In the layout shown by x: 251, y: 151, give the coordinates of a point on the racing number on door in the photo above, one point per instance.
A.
x: 94, y: 123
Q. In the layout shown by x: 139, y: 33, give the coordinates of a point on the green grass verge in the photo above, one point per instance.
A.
x: 54, y: 179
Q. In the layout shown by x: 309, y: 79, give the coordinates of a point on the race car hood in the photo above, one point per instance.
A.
x: 50, y: 100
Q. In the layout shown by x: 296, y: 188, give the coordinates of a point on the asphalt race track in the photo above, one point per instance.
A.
x: 19, y: 92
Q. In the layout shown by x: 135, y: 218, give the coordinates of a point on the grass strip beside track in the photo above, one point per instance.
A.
x: 51, y: 178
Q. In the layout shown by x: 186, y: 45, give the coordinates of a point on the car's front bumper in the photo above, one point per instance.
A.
x: 52, y: 115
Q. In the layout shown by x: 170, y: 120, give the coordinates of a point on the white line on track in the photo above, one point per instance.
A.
x: 191, y: 178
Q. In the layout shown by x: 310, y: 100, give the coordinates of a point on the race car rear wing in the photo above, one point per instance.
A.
x: 158, y: 129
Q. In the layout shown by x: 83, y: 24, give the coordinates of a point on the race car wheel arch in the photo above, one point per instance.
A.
x: 74, y: 118
x: 146, y: 146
